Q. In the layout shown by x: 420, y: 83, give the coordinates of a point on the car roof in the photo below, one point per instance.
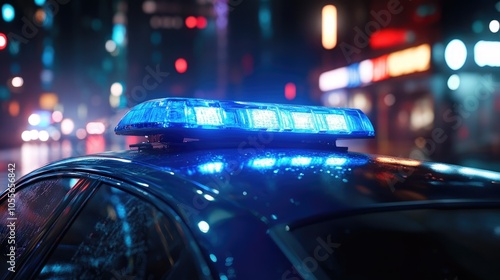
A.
x: 285, y: 185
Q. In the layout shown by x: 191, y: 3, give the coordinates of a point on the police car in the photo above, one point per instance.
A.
x: 236, y: 190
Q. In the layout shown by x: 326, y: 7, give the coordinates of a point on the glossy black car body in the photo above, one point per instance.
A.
x: 262, y: 213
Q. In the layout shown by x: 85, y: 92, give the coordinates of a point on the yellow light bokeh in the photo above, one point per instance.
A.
x: 48, y: 101
x: 329, y: 27
x: 412, y: 60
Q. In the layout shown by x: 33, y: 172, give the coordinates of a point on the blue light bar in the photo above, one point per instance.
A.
x: 195, y: 118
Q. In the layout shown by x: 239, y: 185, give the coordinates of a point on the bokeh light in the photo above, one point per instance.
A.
x: 67, y: 126
x: 55, y: 135
x: 48, y: 100
x: 40, y: 17
x: 114, y: 101
x: 14, y: 108
x: 3, y: 41
x: 34, y: 119
x: 181, y: 65
x: 494, y: 26
x: 191, y: 22
x: 95, y: 128
x: 290, y: 91
x: 8, y: 12
x: 454, y: 82
x: 110, y: 46
x: 455, y: 54
x: 116, y: 89
x: 203, y: 226
x: 43, y: 135
x: 149, y: 6
x: 26, y: 136
x: 81, y: 133
x: 33, y: 134
x: 201, y: 22
x: 389, y: 99
x: 17, y: 82
x: 57, y: 116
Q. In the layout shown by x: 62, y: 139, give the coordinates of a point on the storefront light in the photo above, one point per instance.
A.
x: 455, y: 54
x: 486, y: 53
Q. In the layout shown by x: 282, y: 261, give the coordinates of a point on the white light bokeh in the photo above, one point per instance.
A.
x: 494, y: 26
x: 34, y: 119
x: 455, y: 54
x: 110, y: 46
x: 116, y: 89
x: 454, y: 82
x: 67, y: 126
x: 26, y: 136
x: 203, y: 226
x: 81, y: 133
x: 57, y: 116
x: 43, y: 135
x: 17, y: 82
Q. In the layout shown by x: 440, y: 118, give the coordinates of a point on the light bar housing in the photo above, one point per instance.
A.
x: 177, y: 118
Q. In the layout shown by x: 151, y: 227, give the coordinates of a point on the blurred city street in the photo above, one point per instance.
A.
x: 31, y: 156
x: 429, y: 84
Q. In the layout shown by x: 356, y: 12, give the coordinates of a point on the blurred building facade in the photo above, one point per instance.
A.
x: 91, y: 60
x: 418, y: 72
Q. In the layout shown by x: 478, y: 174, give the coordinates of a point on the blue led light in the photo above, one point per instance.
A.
x: 300, y: 161
x: 192, y: 117
x: 208, y: 116
x: 303, y: 121
x: 336, y: 122
x: 260, y: 163
x: 265, y: 119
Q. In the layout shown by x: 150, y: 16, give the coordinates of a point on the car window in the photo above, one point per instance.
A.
x: 26, y: 212
x: 412, y: 244
x: 119, y: 236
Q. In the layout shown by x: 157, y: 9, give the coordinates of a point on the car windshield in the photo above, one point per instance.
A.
x: 412, y: 244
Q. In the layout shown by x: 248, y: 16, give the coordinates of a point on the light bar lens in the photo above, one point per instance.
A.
x: 159, y: 115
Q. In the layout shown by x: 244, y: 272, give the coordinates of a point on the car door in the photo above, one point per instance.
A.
x: 123, y: 233
x: 28, y: 211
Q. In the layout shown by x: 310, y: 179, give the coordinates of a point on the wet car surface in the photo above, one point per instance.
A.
x: 244, y: 214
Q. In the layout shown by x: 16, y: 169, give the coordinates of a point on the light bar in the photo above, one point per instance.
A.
x: 200, y: 118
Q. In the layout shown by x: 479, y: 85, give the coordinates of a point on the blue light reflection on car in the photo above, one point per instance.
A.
x: 262, y: 163
x: 121, y: 213
x: 478, y: 172
x: 211, y: 167
x: 265, y: 163
x: 300, y: 161
x: 57, y: 269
